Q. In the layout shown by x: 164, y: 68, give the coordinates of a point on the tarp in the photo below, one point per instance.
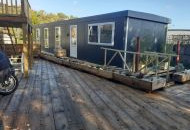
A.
x: 4, y: 61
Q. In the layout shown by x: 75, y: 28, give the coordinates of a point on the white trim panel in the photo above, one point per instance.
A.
x: 46, y: 40
x: 58, y: 40
x: 73, y: 47
x: 99, y: 33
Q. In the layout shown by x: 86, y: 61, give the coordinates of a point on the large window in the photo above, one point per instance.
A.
x: 101, y: 33
x: 46, y: 38
x: 57, y: 37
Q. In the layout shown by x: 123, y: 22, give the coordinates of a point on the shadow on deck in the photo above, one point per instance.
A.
x: 56, y: 97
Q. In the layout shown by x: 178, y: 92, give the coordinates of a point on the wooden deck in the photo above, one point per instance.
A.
x: 59, y: 98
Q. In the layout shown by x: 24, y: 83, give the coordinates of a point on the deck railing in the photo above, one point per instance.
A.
x: 15, y: 8
x: 26, y: 8
x: 154, y: 61
x: 18, y: 62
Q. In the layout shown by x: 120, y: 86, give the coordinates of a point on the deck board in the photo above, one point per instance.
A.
x: 55, y: 97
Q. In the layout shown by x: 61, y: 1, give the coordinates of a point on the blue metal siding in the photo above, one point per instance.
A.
x: 87, y: 52
x: 93, y: 53
x: 51, y: 38
x: 147, y: 26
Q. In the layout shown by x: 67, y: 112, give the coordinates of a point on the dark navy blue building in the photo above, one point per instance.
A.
x: 84, y: 37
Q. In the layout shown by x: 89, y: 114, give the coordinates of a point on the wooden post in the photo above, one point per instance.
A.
x: 6, y: 7
x: 16, y: 6
x: 105, y: 58
x: 25, y: 50
x: 30, y: 48
x: 168, y: 69
x: 178, y: 52
x: 22, y: 8
x: 137, y: 55
x: 2, y: 6
x: 146, y: 67
x: 12, y: 7
x: 157, y: 60
x: 28, y: 10
x: 134, y: 62
x: 32, y: 55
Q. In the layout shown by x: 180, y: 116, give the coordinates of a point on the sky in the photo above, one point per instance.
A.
x: 177, y: 10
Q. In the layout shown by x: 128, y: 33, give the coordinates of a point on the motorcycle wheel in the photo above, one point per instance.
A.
x: 9, y: 86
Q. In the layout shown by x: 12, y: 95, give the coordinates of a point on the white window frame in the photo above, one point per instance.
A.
x: 59, y: 39
x: 38, y: 35
x: 99, y: 33
x: 46, y: 40
x: 59, y: 34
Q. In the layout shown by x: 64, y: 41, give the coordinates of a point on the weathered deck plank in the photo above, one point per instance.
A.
x: 59, y: 98
x: 129, y: 111
x: 21, y: 118
x: 47, y: 113
x: 35, y: 104
x: 103, y: 108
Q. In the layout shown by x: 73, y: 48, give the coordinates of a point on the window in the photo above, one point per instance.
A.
x: 57, y: 37
x: 93, y: 34
x: 101, y: 33
x: 46, y: 38
x: 106, y: 33
x: 57, y: 33
x: 38, y: 36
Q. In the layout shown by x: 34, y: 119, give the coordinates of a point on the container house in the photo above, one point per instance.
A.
x: 175, y: 35
x: 83, y: 38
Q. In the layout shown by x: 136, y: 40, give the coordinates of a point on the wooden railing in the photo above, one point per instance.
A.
x: 26, y: 8
x: 18, y: 62
x: 15, y: 7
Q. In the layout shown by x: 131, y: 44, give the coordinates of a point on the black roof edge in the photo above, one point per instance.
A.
x: 127, y: 13
x: 148, y: 16
x: 178, y: 29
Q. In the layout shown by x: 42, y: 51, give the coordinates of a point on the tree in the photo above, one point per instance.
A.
x: 39, y: 17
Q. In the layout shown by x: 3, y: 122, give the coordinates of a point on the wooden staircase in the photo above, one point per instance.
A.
x: 17, y: 14
x: 14, y: 13
x: 8, y: 43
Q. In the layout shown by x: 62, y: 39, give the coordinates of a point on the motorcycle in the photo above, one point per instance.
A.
x: 8, y: 79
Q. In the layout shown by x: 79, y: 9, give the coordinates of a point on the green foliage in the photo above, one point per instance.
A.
x: 39, y: 17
